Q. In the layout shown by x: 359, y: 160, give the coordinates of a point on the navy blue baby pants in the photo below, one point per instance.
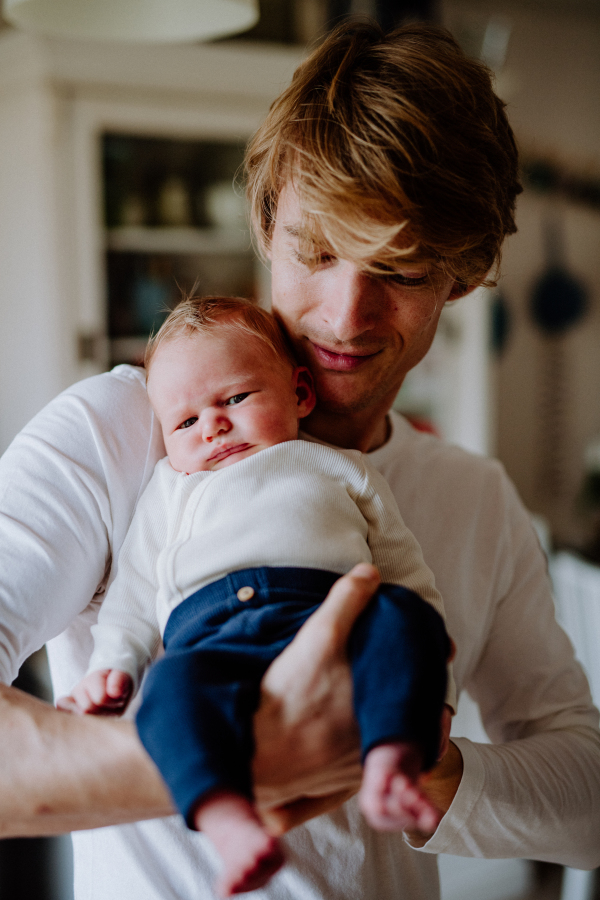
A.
x: 195, y: 720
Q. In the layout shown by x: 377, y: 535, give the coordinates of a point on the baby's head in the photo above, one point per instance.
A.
x: 223, y: 383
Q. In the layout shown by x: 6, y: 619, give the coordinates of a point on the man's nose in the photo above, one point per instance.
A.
x: 214, y: 423
x: 351, y: 309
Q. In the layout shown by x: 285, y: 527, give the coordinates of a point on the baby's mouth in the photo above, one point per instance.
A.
x: 228, y: 450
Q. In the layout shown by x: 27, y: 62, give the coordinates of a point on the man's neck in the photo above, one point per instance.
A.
x: 358, y: 431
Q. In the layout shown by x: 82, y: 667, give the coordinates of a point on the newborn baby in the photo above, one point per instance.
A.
x: 240, y: 534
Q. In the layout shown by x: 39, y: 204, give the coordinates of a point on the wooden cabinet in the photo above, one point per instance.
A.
x: 176, y: 223
x: 59, y: 100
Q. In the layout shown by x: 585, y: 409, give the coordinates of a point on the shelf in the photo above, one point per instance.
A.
x: 208, y: 241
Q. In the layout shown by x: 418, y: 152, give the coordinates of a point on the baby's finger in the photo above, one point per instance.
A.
x: 68, y: 704
x: 94, y: 687
x: 118, y: 685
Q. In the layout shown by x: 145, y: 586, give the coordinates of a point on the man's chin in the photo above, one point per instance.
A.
x: 334, y: 405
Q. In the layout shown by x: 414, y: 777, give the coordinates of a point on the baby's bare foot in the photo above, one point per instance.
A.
x: 250, y: 855
x: 391, y: 798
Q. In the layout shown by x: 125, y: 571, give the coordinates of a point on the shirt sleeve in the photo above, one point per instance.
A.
x: 69, y: 483
x: 395, y: 550
x: 127, y: 635
x: 535, y: 792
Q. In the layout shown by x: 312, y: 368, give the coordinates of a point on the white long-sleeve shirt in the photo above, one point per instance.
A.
x: 295, y: 504
x: 68, y: 489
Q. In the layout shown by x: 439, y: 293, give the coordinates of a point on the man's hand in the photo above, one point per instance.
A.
x: 440, y: 785
x: 308, y: 758
x: 306, y: 734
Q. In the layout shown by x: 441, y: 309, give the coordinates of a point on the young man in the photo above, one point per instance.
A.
x: 384, y: 182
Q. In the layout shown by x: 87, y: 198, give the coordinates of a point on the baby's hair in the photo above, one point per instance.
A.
x: 200, y: 315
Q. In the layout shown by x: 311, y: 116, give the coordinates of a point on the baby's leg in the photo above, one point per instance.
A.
x: 391, y: 798
x: 398, y: 650
x: 250, y: 855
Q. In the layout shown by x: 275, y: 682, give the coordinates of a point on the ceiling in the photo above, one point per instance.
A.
x: 578, y: 8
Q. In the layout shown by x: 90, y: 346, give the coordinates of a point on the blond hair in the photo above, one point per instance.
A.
x: 382, y: 134
x: 200, y: 315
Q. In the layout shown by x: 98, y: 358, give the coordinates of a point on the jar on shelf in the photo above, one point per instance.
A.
x: 133, y: 211
x: 174, y: 206
x: 224, y: 207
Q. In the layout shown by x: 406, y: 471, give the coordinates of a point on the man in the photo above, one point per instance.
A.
x: 383, y: 183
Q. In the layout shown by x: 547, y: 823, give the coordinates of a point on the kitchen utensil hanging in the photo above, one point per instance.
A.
x: 558, y: 303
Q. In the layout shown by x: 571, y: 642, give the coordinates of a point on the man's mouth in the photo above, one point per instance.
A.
x: 224, y: 452
x: 341, y: 362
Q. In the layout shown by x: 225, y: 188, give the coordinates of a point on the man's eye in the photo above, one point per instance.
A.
x: 189, y: 422
x: 400, y: 278
x: 237, y: 398
x: 407, y: 280
x: 314, y: 258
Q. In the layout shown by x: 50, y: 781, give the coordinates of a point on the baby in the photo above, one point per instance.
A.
x: 239, y: 536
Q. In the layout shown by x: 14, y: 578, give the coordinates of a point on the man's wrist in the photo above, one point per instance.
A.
x: 440, y: 785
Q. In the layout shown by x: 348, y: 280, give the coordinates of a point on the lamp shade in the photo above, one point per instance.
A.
x: 133, y: 20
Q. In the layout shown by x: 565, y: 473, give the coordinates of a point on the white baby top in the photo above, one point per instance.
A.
x: 298, y: 503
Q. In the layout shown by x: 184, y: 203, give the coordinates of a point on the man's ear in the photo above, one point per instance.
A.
x: 460, y: 289
x: 305, y: 391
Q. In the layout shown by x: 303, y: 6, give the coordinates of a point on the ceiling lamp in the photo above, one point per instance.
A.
x: 133, y: 20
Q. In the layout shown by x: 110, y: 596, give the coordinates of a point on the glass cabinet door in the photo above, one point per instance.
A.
x: 176, y: 223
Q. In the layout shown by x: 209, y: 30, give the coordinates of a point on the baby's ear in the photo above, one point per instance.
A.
x: 305, y: 391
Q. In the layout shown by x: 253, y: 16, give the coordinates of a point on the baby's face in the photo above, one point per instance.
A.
x: 223, y: 396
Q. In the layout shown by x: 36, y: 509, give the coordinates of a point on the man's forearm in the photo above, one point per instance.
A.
x: 60, y: 772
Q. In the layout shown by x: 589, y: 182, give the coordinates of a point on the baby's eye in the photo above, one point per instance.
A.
x: 189, y: 422
x: 237, y: 398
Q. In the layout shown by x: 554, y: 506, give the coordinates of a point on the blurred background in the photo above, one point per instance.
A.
x: 119, y: 187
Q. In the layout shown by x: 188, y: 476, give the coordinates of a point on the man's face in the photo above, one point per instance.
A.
x: 359, y: 334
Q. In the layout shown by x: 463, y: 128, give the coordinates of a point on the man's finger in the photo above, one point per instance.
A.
x: 336, y: 616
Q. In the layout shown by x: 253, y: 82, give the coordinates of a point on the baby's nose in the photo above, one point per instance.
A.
x: 213, y: 425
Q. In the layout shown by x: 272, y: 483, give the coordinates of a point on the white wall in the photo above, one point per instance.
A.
x: 31, y: 333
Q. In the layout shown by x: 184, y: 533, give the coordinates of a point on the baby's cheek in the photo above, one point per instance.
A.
x: 179, y: 458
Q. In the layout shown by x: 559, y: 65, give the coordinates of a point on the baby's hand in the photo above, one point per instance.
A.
x: 102, y: 693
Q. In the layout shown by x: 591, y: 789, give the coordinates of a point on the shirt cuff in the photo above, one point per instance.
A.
x: 459, y: 812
